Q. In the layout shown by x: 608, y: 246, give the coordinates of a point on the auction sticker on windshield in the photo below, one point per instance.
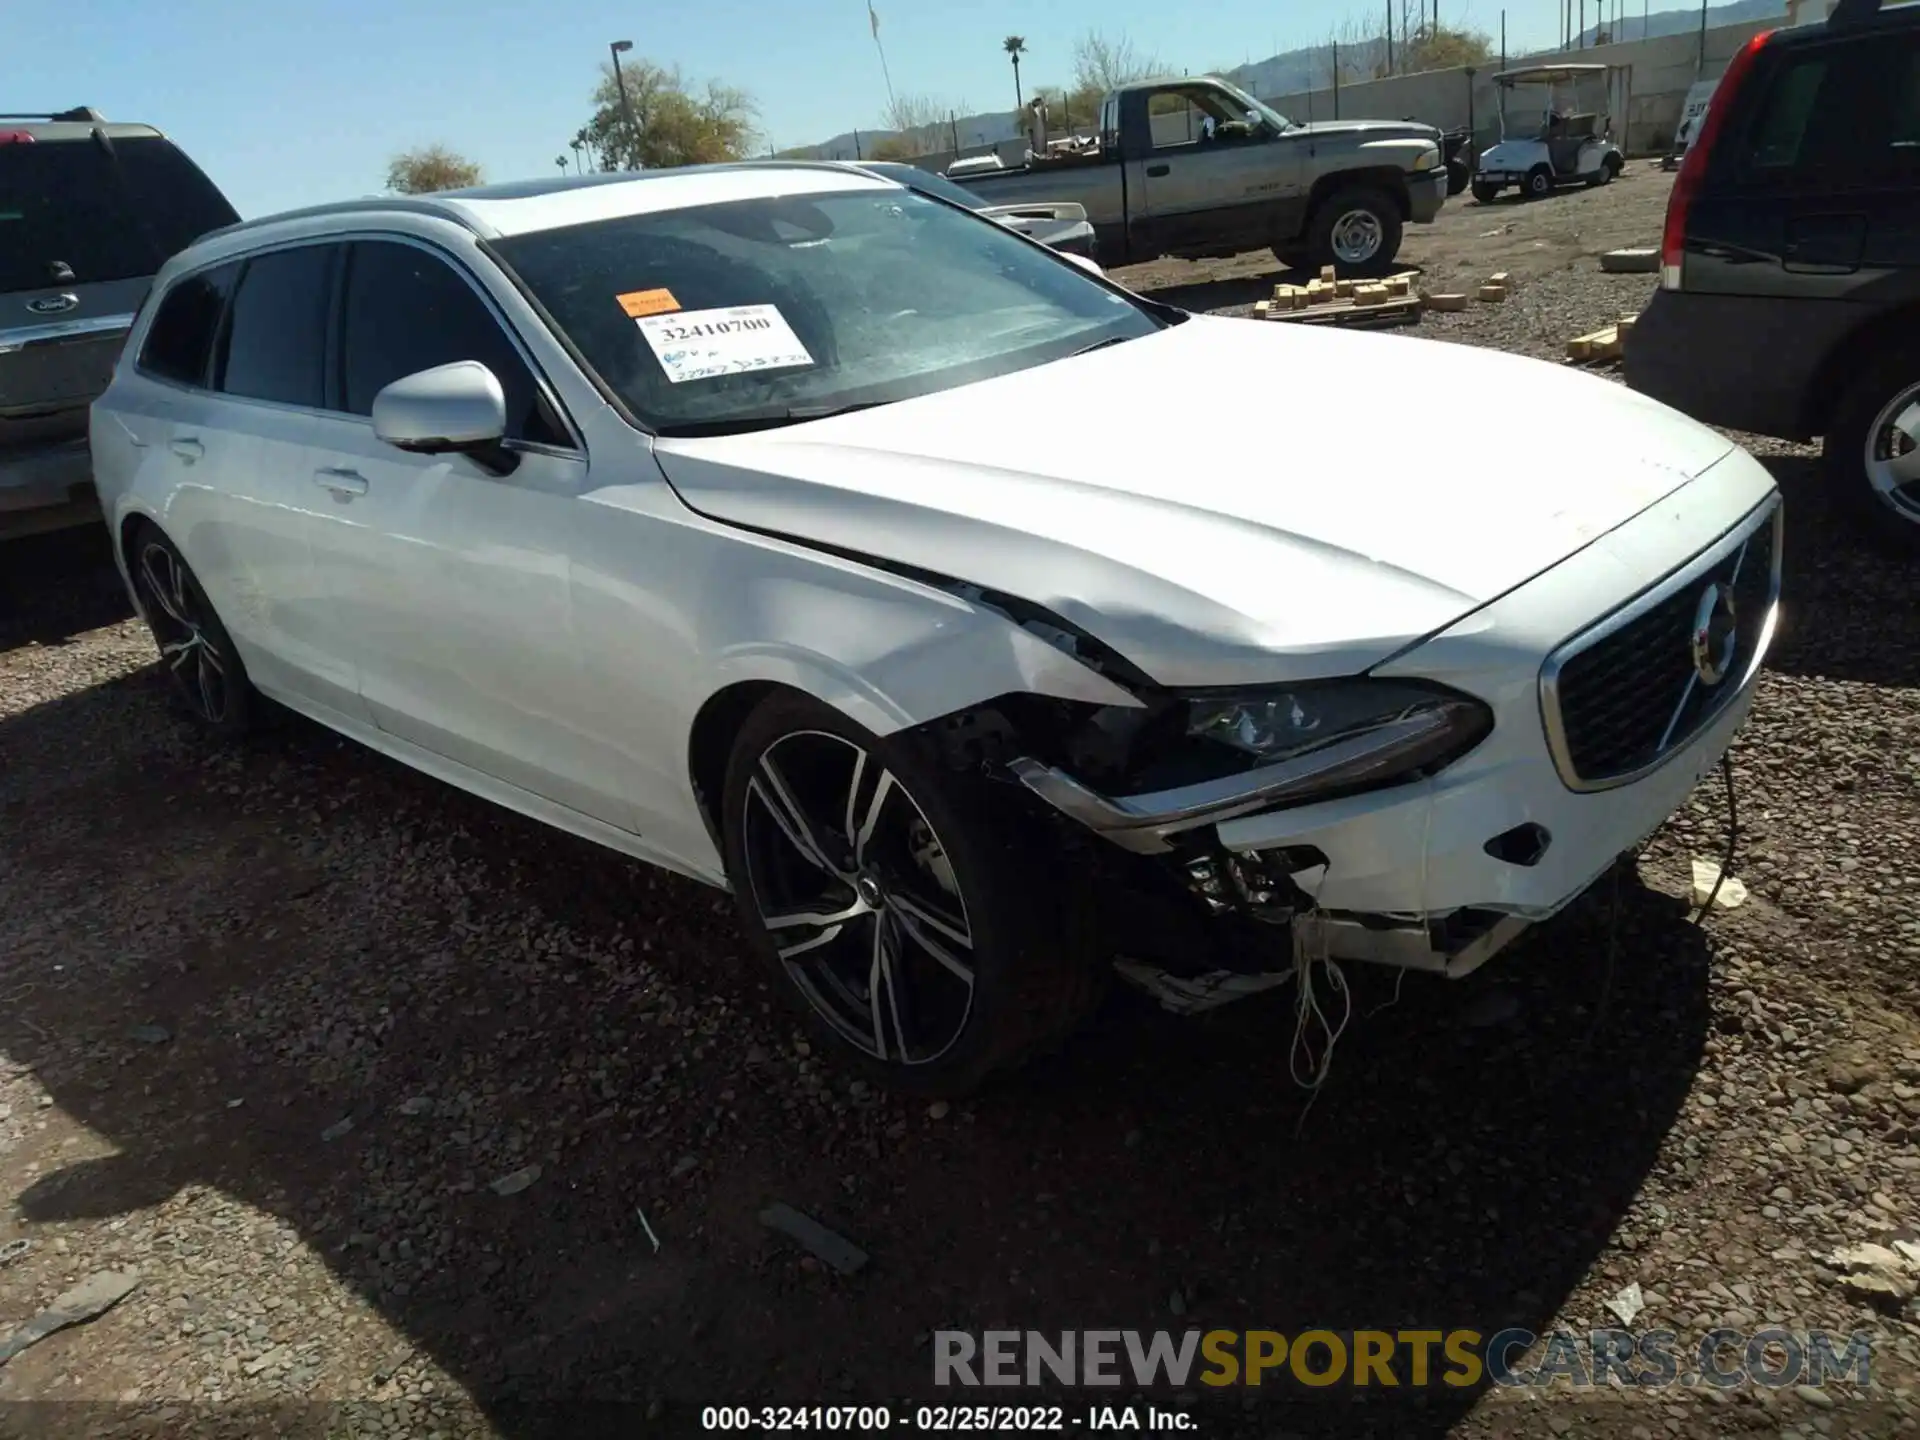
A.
x: 699, y: 344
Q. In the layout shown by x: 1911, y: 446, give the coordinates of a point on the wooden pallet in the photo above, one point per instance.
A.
x: 1358, y: 304
x: 1397, y: 310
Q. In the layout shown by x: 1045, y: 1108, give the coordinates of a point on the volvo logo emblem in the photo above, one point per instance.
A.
x: 53, y: 304
x: 1715, y: 634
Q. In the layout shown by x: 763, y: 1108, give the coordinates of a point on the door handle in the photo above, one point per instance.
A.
x: 341, y: 482
x: 187, y: 449
x: 1158, y: 170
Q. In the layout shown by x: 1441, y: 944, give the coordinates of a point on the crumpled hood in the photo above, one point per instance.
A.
x: 1225, y: 501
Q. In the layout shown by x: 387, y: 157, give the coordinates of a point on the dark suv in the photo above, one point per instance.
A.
x: 88, y: 212
x: 1789, y: 299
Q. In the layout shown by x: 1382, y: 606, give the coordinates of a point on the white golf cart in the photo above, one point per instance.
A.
x: 1574, y: 142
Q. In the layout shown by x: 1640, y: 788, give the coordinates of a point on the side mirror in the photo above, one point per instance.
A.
x: 1085, y: 262
x: 450, y: 409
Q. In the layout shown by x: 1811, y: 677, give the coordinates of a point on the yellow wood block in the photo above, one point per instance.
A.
x: 1493, y: 294
x: 1446, y: 301
x: 1328, y: 274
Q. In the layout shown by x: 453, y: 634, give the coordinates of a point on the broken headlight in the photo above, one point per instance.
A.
x: 1418, y: 728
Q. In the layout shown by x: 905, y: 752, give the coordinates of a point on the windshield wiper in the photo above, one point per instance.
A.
x: 1101, y: 345
x: 766, y: 420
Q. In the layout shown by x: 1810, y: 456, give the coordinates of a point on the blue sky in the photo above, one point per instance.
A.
x: 286, y: 104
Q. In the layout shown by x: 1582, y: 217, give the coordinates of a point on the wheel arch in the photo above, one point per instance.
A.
x: 130, y: 523
x: 1844, y: 358
x: 718, y: 720
x: 1389, y: 179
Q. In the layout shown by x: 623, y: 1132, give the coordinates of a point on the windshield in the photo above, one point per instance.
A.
x: 770, y: 310
x: 925, y: 181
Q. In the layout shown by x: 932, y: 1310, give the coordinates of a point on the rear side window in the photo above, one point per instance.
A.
x: 407, y: 310
x: 179, y: 345
x: 1778, y: 140
x: 276, y: 344
x: 1837, y: 115
x: 105, y: 211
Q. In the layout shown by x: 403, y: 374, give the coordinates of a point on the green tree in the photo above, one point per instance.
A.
x: 428, y: 168
x: 893, y: 147
x: 672, y: 123
x: 1015, y: 46
x: 1443, y: 48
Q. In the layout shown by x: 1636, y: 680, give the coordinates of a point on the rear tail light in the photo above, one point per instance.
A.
x: 1693, y: 169
x: 16, y: 137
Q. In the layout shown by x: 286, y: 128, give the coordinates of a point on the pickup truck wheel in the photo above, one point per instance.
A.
x: 1357, y: 231
x: 1457, y: 177
x: 1872, y: 448
x: 894, y: 907
x: 1486, y: 194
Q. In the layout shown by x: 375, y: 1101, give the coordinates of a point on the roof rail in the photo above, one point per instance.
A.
x: 84, y: 114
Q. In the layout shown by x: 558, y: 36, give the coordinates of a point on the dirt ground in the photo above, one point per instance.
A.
x: 1463, y: 247
x: 388, y: 1096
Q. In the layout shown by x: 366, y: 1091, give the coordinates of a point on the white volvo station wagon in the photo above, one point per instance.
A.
x: 977, y: 623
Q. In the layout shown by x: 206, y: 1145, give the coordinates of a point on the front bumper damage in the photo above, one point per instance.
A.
x: 1441, y: 873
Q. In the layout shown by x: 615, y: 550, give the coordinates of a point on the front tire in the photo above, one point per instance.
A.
x: 1458, y: 177
x: 1486, y: 194
x: 208, y: 678
x: 1539, y: 183
x: 1356, y: 231
x: 925, y: 939
x: 1871, y: 451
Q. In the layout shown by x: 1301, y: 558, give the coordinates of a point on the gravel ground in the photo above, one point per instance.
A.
x: 386, y: 1094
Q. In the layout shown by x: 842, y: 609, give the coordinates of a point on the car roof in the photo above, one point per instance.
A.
x: 521, y: 207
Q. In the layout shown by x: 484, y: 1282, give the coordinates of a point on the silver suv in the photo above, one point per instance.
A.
x: 88, y: 212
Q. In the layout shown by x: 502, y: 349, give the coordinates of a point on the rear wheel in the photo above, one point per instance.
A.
x: 209, y: 681
x: 1457, y: 176
x: 928, y: 941
x: 1485, y: 194
x: 1539, y: 183
x: 1872, y: 448
x: 1357, y: 231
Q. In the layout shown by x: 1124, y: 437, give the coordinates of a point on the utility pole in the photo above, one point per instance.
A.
x: 1389, y: 37
x: 619, y: 48
x: 1700, y: 64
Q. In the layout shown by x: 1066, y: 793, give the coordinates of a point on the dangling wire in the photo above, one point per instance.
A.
x: 1733, y: 839
x: 1308, y: 1073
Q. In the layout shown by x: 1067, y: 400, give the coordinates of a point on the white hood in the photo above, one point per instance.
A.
x: 1226, y: 501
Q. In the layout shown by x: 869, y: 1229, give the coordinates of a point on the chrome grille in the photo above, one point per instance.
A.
x: 1626, y: 693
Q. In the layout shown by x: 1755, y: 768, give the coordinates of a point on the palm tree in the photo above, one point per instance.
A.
x: 1015, y: 46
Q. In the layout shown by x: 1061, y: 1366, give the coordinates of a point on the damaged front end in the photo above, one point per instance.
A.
x: 1149, y: 784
